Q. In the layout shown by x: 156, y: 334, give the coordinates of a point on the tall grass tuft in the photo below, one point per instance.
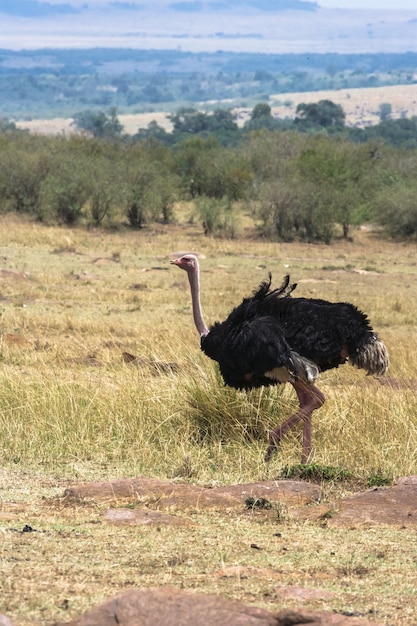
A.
x: 223, y: 414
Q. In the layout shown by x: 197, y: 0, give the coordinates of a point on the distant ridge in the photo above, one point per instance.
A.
x: 261, y: 5
x: 37, y: 8
x: 32, y: 8
x: 251, y: 26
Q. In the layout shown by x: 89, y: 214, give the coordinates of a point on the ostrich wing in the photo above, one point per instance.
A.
x: 247, y: 351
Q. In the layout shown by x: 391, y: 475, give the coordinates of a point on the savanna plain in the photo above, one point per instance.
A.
x: 73, y: 410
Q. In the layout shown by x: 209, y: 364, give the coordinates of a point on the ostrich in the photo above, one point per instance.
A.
x: 273, y: 338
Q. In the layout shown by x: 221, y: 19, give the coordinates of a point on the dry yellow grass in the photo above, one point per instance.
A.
x: 71, y: 409
x: 361, y: 106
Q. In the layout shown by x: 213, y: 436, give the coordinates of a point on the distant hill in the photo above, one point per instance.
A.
x: 255, y: 26
x: 38, y: 8
x: 32, y: 8
x: 60, y: 82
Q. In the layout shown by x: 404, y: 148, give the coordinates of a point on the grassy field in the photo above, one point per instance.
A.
x: 72, y: 301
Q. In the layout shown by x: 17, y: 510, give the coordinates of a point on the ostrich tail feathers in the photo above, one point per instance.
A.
x: 372, y: 356
x: 285, y: 289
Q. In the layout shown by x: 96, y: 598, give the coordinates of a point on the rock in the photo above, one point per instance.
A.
x: 289, y: 492
x: 4, y: 621
x: 166, y: 494
x: 138, y: 517
x: 302, y: 594
x: 173, y: 607
x: 396, y: 505
x: 406, y: 480
x: 242, y: 572
x: 297, y: 617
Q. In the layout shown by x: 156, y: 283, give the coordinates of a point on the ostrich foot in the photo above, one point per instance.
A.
x: 270, y: 451
x: 274, y: 441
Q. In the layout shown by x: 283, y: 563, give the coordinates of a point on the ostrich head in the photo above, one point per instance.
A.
x: 189, y: 263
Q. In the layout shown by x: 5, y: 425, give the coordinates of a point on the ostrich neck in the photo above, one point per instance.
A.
x: 194, y: 279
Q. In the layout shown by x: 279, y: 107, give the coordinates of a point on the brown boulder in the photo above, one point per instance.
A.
x: 172, y: 607
x: 396, y: 505
x: 302, y: 594
x: 143, y: 517
x: 165, y: 493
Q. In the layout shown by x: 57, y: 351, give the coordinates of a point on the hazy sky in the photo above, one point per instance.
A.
x: 369, y: 4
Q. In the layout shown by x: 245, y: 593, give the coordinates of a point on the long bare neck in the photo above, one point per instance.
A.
x: 194, y: 280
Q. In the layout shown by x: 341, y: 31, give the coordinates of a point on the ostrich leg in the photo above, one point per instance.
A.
x: 310, y: 399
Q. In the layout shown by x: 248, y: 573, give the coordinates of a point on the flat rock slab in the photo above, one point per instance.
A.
x: 143, y: 517
x: 303, y: 594
x: 394, y: 506
x: 173, y: 607
x: 167, y: 494
x: 242, y: 572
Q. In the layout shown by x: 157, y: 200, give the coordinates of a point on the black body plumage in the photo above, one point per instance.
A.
x: 270, y: 328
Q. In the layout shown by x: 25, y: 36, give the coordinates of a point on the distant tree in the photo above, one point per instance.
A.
x: 385, y: 111
x: 277, y: 208
x: 64, y: 193
x: 149, y: 187
x: 396, y: 209
x: 262, y: 109
x: 340, y: 176
x: 188, y: 121
x: 261, y: 117
x: 323, y: 114
x: 394, y: 206
x: 217, y: 217
x: 209, y: 169
x: 7, y: 126
x: 401, y: 132
x: 25, y: 161
x: 98, y: 124
x: 270, y: 154
x: 153, y: 131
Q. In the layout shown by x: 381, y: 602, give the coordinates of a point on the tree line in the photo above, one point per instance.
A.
x: 318, y: 117
x: 54, y: 82
x: 311, y: 181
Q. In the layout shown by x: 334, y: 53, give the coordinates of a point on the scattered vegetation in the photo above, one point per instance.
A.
x: 316, y: 472
x: 310, y: 182
x: 258, y: 503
